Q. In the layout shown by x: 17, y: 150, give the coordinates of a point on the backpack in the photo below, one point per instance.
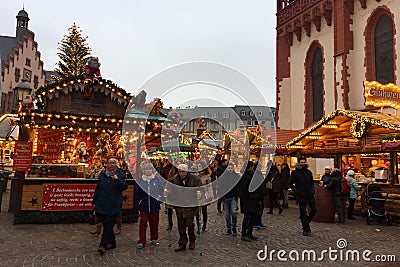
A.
x: 346, y: 187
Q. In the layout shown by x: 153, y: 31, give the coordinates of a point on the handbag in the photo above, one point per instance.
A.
x: 268, y: 185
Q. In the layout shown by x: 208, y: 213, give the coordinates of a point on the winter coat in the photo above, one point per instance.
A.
x: 234, y: 192
x: 285, y: 177
x: 336, y: 185
x: 277, y: 185
x: 191, y: 181
x: 302, y: 183
x: 354, y: 188
x: 326, y: 178
x: 107, y: 196
x: 249, y: 201
x: 148, y: 193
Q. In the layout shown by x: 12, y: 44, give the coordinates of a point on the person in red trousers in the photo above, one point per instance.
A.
x: 149, y: 190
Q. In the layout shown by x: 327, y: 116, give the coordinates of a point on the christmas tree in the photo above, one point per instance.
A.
x: 74, y: 53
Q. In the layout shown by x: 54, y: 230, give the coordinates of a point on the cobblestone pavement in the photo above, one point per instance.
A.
x: 72, y: 245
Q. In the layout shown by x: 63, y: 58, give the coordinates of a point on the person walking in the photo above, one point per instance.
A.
x: 261, y: 193
x: 340, y: 199
x: 230, y: 200
x: 202, y: 172
x: 107, y: 199
x: 277, y: 188
x: 249, y: 204
x: 302, y: 183
x: 149, y: 190
x: 185, y: 215
x: 285, y: 184
x: 353, y: 194
x: 219, y: 171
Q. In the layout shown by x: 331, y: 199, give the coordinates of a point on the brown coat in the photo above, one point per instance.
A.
x: 191, y: 181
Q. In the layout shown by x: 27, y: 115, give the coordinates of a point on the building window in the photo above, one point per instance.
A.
x: 256, y: 122
x: 316, y: 73
x: 384, y: 61
x: 28, y: 62
x: 35, y: 81
x: 215, y: 115
x: 249, y: 123
x: 243, y: 112
x: 225, y: 115
x: 17, y: 74
x: 260, y: 113
x: 251, y: 113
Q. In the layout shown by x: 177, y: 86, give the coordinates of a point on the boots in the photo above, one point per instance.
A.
x: 97, y: 231
x: 119, y: 225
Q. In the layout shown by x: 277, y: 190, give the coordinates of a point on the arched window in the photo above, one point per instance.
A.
x: 316, y: 75
x: 383, y: 39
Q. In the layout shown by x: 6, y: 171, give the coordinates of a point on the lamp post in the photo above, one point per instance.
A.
x: 20, y: 92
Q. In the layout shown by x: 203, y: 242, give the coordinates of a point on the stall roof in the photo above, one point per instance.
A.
x: 351, y: 126
x: 6, y: 125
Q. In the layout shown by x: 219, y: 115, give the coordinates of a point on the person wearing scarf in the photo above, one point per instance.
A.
x: 107, y: 199
x: 149, y: 189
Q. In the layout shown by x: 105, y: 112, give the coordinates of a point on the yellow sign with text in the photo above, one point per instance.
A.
x: 379, y: 95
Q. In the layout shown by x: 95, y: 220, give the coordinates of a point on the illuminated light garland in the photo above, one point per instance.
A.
x: 358, y: 128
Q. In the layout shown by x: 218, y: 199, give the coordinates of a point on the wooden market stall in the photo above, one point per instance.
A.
x: 66, y: 141
x: 365, y: 141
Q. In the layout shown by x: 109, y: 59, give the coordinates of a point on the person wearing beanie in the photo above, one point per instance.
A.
x: 326, y: 178
x: 353, y: 194
x: 185, y: 215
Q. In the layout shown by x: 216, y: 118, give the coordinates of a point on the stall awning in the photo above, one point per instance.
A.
x: 7, y: 125
x: 346, y: 130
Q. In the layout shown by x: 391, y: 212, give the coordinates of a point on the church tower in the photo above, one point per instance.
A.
x: 22, y: 23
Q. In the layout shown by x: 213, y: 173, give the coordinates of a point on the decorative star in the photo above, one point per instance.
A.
x: 34, y: 201
x: 125, y: 198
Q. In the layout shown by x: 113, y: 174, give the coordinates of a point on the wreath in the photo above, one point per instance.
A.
x: 358, y: 128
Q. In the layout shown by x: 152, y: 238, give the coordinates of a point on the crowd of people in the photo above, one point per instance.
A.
x: 152, y: 190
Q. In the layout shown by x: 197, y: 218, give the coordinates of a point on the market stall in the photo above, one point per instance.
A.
x: 357, y: 140
x: 62, y: 146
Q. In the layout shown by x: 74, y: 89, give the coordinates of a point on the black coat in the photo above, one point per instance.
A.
x: 277, y: 182
x: 249, y: 201
x: 285, y: 178
x: 302, y: 183
x: 336, y: 185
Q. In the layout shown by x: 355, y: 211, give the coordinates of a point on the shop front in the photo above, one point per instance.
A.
x: 363, y: 141
x: 61, y: 150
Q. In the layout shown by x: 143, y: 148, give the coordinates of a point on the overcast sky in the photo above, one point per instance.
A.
x: 135, y: 40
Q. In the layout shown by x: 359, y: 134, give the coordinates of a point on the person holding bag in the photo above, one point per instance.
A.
x: 276, y: 184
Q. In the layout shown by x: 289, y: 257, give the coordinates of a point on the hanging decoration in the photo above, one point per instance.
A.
x: 358, y: 128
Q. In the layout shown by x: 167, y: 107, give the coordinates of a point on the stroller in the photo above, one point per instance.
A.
x: 375, y: 203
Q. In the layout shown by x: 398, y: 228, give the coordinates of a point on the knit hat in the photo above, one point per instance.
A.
x: 350, y: 173
x: 328, y: 168
x: 183, y: 167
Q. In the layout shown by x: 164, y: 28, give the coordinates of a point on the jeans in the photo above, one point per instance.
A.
x: 285, y: 196
x: 205, y: 217
x: 340, y: 203
x: 351, y: 207
x: 230, y: 205
x: 307, y: 218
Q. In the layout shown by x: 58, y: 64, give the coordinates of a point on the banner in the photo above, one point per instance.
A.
x: 49, y: 144
x: 22, y: 156
x: 63, y: 197
x: 379, y: 95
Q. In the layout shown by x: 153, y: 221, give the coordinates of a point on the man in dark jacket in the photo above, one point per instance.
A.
x: 230, y: 200
x: 220, y: 170
x: 185, y: 215
x: 340, y: 199
x: 302, y: 183
x: 285, y: 184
